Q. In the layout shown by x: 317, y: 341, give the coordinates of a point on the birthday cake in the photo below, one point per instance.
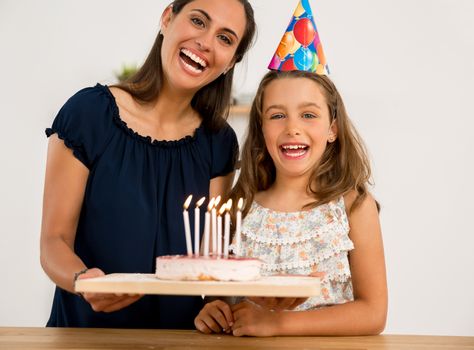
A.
x: 207, y: 268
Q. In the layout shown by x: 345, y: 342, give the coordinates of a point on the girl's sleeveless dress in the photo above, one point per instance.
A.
x: 302, y: 243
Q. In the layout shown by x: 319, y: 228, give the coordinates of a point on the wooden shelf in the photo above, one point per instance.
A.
x: 240, y: 110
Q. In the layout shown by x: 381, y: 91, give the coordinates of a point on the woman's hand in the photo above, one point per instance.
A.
x: 254, y: 320
x: 215, y: 317
x: 106, y: 302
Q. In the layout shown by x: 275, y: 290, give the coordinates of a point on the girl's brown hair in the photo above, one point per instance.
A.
x: 212, y: 101
x: 344, y: 165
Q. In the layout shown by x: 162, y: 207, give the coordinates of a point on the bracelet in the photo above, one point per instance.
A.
x: 76, y: 276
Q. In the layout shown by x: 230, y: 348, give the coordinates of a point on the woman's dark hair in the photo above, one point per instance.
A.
x: 212, y: 101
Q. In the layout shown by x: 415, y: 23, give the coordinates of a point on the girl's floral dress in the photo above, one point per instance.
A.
x: 302, y: 243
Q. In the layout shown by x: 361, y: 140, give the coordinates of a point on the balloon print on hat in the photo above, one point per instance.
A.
x: 300, y: 47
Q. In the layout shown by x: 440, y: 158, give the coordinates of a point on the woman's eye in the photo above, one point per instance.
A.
x: 277, y: 116
x: 225, y: 39
x: 309, y: 116
x: 198, y: 22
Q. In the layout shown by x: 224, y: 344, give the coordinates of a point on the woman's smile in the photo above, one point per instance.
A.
x: 192, y: 61
x: 199, y: 43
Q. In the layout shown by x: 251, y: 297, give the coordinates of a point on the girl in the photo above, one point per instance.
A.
x: 308, y: 211
x: 121, y: 160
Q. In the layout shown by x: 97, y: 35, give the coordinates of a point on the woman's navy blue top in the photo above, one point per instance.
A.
x: 133, y: 205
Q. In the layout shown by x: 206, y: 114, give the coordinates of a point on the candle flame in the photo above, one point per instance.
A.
x: 240, y: 204
x: 211, y: 204
x: 222, y: 209
x: 229, y: 204
x: 216, y: 202
x: 188, y: 201
x: 199, y: 202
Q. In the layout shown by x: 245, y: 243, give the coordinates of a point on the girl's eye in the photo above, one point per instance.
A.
x: 309, y: 116
x: 225, y: 39
x: 277, y: 116
x: 197, y: 21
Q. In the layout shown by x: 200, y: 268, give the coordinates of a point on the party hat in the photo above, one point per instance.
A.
x: 300, y: 47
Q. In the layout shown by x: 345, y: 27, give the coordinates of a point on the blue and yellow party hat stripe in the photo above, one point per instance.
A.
x: 300, y: 47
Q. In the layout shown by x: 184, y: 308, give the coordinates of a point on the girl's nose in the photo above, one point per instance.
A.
x: 292, y: 128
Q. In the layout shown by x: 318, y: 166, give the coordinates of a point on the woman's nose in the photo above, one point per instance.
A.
x: 204, y: 42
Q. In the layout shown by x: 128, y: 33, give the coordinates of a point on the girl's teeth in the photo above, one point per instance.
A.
x: 294, y: 147
x: 294, y: 152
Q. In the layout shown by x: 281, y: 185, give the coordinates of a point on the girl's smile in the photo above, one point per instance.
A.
x: 294, y: 150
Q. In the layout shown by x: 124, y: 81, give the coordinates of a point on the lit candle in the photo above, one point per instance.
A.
x: 219, y: 230
x: 214, y: 224
x: 197, y: 236
x: 207, y: 225
x: 227, y: 228
x: 238, y: 227
x: 187, y: 228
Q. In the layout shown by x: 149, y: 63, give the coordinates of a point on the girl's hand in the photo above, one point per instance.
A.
x: 277, y: 304
x: 254, y: 320
x: 106, y: 302
x: 215, y: 317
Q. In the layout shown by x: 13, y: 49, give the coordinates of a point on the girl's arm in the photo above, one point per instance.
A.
x: 366, y: 315
x: 64, y: 188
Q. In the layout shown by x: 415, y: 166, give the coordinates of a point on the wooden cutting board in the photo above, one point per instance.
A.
x: 272, y: 286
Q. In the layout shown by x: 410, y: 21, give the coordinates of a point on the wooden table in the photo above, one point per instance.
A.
x: 119, y: 339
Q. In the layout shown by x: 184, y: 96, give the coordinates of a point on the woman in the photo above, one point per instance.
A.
x: 121, y: 161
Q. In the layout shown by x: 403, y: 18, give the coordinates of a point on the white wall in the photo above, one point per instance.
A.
x: 405, y: 69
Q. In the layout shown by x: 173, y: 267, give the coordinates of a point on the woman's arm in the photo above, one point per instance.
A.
x: 366, y: 315
x: 65, y: 184
x: 220, y: 186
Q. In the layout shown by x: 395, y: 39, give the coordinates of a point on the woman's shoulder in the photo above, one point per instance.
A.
x: 90, y: 98
x: 123, y: 99
x: 84, y: 122
x: 225, y: 133
x: 91, y: 107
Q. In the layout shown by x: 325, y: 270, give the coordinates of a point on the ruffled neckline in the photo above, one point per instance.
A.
x: 296, y: 241
x: 145, y: 139
x: 338, y: 203
x: 281, y: 213
x: 263, y: 225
